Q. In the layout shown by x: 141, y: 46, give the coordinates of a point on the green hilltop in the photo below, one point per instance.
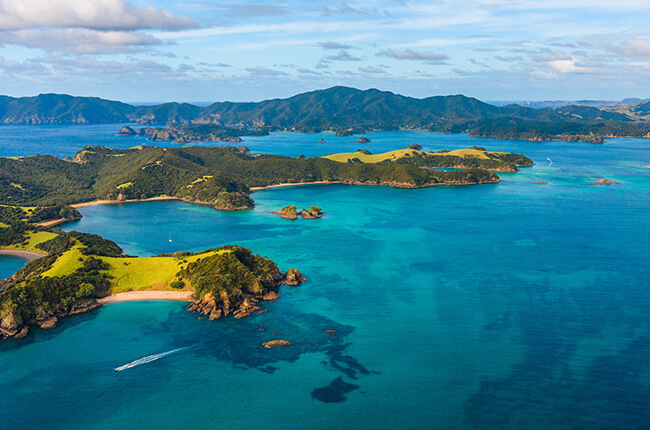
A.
x: 340, y: 109
x: 220, y: 176
x: 78, y: 269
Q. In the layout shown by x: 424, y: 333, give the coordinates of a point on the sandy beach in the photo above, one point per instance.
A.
x: 29, y: 255
x: 293, y: 184
x: 53, y: 222
x: 137, y: 296
x: 116, y: 202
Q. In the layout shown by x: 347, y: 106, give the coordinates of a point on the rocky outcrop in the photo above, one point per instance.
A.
x: 293, y: 277
x: 246, y: 302
x: 363, y: 139
x: 126, y: 131
x: 290, y: 212
x: 271, y: 295
x: 275, y: 343
x: 287, y: 212
x: 13, y: 325
x: 605, y: 182
x: 313, y: 213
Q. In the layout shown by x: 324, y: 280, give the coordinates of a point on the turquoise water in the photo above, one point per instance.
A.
x: 10, y: 265
x: 513, y: 305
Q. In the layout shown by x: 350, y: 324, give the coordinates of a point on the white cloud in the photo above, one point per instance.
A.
x: 635, y: 48
x: 263, y: 72
x: 90, y: 14
x: 568, y: 66
x: 343, y: 56
x: 373, y: 71
x: 80, y: 40
x: 409, y: 54
x: 334, y: 45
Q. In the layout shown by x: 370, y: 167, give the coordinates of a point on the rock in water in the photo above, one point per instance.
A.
x: 126, y: 131
x: 275, y: 343
x: 293, y: 277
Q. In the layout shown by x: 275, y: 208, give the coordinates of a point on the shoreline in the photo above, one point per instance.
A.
x: 115, y: 202
x: 141, y: 296
x: 381, y: 184
x: 29, y: 255
x: 252, y: 189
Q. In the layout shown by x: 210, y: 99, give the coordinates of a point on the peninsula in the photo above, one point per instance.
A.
x: 223, y: 176
x: 79, y: 272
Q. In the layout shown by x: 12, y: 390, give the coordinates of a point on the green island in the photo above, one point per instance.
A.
x: 290, y: 212
x: 341, y: 110
x: 474, y: 157
x: 77, y: 272
x: 224, y: 176
x: 183, y: 133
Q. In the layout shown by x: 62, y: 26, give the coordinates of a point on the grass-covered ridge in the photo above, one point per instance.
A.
x: 77, y: 269
x: 460, y: 158
x: 201, y: 174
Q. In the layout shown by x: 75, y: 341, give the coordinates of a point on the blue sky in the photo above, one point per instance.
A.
x: 201, y: 50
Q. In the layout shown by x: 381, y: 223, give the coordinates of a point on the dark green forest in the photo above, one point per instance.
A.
x: 343, y: 110
x: 202, y: 174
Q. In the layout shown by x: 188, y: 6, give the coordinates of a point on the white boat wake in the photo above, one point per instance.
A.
x: 549, y: 161
x: 149, y: 359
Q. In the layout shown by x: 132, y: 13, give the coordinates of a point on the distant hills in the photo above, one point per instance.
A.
x: 343, y: 108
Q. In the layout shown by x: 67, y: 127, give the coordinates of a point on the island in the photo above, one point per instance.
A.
x: 78, y: 272
x: 224, y: 177
x: 290, y: 212
x: 183, y: 133
x: 470, y: 158
x: 126, y: 131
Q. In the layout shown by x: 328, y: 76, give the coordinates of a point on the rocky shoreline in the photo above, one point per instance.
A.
x: 14, y: 326
x: 245, y: 304
x: 376, y: 184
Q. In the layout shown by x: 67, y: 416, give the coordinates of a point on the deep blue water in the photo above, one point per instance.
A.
x: 513, y: 305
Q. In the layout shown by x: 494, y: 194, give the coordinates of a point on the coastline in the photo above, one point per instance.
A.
x: 140, y: 296
x: 29, y: 255
x: 115, y: 202
x: 55, y: 222
x: 380, y: 184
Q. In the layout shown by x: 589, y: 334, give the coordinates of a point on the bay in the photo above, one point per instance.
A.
x: 496, y: 306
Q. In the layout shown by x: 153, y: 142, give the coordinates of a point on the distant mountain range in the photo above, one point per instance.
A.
x: 341, y: 108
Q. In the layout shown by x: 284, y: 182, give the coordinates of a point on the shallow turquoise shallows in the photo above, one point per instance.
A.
x: 507, y: 306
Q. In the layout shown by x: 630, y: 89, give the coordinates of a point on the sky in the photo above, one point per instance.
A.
x: 206, y: 51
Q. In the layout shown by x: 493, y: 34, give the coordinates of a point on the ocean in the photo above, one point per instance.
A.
x: 510, y: 305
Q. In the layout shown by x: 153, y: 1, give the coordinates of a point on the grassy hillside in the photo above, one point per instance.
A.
x: 78, y: 268
x: 221, y: 176
x: 475, y: 157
